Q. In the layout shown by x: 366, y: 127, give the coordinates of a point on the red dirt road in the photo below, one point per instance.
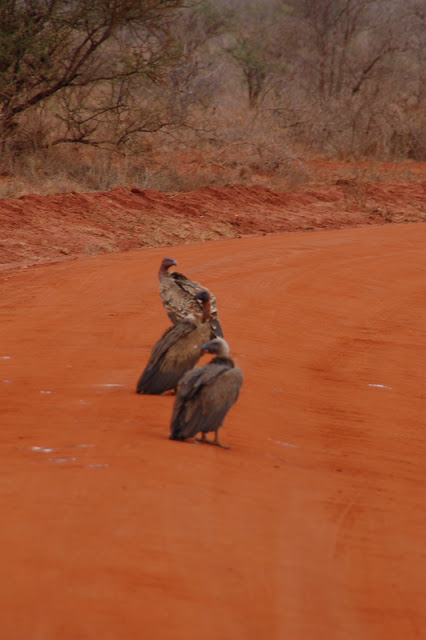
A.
x: 311, y: 527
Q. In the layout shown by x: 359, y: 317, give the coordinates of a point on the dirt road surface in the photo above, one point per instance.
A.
x: 311, y: 527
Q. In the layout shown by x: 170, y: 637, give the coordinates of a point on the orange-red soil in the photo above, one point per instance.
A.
x: 36, y: 229
x: 312, y: 525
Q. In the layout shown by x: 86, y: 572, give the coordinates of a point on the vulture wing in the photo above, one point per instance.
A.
x: 190, y: 287
x: 204, y: 397
x: 177, y: 351
x: 177, y: 294
x: 175, y: 304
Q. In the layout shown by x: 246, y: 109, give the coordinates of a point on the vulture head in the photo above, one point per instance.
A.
x: 166, y: 264
x: 218, y: 346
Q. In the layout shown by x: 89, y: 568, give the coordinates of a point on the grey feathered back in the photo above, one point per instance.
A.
x: 204, y: 396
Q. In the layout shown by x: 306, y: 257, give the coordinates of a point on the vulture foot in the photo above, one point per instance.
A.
x: 216, y: 441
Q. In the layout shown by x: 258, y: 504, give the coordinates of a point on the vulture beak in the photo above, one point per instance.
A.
x: 206, y: 347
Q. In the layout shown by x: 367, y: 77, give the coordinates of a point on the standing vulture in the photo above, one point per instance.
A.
x: 205, y: 395
x: 177, y: 351
x: 178, y: 296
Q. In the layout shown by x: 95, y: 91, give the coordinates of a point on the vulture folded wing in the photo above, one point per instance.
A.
x: 177, y: 295
x: 193, y: 381
x: 170, y: 338
x: 175, y: 352
x: 204, y: 398
x: 171, y: 296
x: 189, y: 288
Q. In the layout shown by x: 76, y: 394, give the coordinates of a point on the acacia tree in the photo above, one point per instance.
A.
x: 346, y: 41
x: 260, y: 47
x: 353, y: 65
x: 196, y: 78
x: 92, y: 63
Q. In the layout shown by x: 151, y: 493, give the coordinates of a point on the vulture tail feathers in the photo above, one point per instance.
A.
x: 216, y: 329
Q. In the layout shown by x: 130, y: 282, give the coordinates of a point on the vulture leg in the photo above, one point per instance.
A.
x: 216, y: 440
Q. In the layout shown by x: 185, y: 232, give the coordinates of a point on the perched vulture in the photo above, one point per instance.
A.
x: 178, y: 296
x: 177, y: 351
x: 205, y: 395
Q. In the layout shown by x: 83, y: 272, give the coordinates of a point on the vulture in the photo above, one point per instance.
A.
x: 177, y: 293
x: 205, y: 395
x: 177, y: 351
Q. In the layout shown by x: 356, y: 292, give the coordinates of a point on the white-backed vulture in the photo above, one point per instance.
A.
x: 205, y: 395
x: 177, y: 293
x: 177, y: 351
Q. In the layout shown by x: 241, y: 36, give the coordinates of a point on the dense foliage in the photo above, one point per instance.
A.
x: 339, y: 77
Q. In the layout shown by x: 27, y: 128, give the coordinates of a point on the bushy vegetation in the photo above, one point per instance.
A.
x: 255, y: 85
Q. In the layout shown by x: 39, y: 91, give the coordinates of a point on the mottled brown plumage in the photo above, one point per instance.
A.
x: 176, y: 352
x: 177, y: 293
x: 205, y: 395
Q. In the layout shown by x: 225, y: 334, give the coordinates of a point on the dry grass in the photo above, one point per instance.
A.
x: 240, y: 147
x: 65, y: 169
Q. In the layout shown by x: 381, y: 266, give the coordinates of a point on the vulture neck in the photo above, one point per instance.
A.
x: 206, y: 312
x: 163, y: 271
x: 224, y: 360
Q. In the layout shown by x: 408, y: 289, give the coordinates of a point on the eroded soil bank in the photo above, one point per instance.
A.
x: 35, y: 229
